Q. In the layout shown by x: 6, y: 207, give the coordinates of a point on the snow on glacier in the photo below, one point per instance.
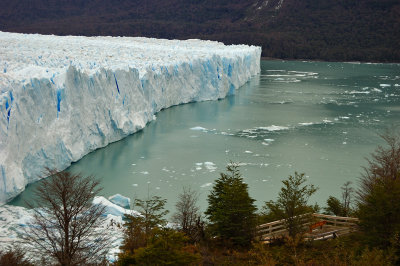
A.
x: 63, y: 97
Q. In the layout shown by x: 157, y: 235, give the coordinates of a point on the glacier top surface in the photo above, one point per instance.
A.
x: 25, y: 56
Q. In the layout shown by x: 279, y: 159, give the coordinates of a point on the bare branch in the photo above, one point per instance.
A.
x: 65, y: 223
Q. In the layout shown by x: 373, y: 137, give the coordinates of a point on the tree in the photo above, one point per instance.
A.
x: 344, y: 207
x: 378, y: 198
x: 231, y: 211
x: 292, y: 203
x: 153, y: 212
x: 334, y: 206
x: 347, y: 197
x: 134, y: 234
x: 187, y: 214
x: 385, y: 161
x: 65, y: 226
x: 139, y: 229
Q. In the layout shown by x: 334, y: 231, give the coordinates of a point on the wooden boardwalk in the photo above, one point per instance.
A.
x: 321, y: 227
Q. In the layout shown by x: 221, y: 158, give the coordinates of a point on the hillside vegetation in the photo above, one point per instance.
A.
x: 343, y: 30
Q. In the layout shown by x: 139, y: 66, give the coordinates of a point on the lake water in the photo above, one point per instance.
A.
x: 319, y: 118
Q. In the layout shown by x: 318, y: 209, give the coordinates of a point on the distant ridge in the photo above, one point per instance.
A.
x: 341, y: 30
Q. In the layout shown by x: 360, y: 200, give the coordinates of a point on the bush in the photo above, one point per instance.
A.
x: 334, y: 207
x: 14, y: 257
x: 167, y: 247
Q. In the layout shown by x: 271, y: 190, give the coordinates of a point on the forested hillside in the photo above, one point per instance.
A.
x: 362, y: 30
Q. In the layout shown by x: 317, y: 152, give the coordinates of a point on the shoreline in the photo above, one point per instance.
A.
x: 332, y: 61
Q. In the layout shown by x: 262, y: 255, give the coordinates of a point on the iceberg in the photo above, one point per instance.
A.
x: 62, y: 97
x: 121, y: 201
x: 113, y: 209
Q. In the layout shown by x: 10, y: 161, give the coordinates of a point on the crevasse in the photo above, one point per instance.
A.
x: 63, y: 97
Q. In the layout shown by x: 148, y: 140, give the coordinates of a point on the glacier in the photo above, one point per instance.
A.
x: 61, y: 97
x: 15, y: 220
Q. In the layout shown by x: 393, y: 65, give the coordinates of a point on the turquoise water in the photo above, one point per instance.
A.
x: 319, y: 118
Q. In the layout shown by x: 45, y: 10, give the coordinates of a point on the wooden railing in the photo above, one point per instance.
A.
x: 336, y: 220
x: 333, y: 225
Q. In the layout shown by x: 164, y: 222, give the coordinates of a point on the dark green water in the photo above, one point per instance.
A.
x: 314, y: 117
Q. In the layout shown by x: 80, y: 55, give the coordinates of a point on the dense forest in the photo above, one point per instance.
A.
x: 342, y: 30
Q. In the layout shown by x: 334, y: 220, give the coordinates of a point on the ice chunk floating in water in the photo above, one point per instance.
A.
x: 63, y: 97
x: 121, y: 201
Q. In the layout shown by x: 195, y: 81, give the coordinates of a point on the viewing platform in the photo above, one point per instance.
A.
x: 321, y: 227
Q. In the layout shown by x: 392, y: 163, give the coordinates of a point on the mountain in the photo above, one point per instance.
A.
x: 345, y: 30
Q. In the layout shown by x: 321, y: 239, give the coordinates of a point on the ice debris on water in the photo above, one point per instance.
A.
x: 199, y: 128
x: 206, y: 185
x: 210, y: 166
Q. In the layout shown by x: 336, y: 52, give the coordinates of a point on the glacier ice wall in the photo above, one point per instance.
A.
x: 63, y: 97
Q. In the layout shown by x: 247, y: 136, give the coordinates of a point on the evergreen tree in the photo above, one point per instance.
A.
x: 231, y: 211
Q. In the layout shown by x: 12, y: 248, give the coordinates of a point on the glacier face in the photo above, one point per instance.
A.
x: 63, y: 97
